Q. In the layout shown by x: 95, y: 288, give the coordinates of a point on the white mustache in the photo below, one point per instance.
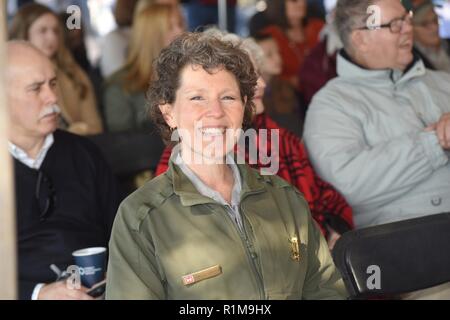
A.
x: 48, y: 110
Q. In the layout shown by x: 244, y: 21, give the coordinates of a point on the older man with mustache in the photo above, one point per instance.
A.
x: 65, y: 193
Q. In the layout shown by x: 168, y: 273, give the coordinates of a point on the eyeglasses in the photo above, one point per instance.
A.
x: 395, y: 25
x: 45, y: 195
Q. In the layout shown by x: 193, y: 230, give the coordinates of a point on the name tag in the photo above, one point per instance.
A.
x: 202, y: 275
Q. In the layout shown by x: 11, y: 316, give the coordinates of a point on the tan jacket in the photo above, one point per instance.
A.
x: 170, y: 242
x: 76, y: 110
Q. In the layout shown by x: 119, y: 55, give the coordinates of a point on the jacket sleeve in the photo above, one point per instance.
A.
x: 367, y: 175
x: 323, y: 280
x: 132, y: 267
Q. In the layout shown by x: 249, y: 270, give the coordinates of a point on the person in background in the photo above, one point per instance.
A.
x: 327, y: 206
x: 66, y: 194
x: 124, y: 95
x: 295, y: 33
x: 273, y: 64
x: 433, y: 50
x: 320, y: 65
x: 41, y: 26
x: 279, y: 96
x: 115, y: 44
x: 379, y: 131
x: 142, y: 4
x: 74, y: 40
x: 212, y: 228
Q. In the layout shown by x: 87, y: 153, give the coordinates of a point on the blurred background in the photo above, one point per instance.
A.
x: 98, y: 16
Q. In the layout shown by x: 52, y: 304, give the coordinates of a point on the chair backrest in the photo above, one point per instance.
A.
x: 395, y: 258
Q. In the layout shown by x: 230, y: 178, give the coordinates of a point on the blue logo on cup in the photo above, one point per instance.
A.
x: 91, y: 265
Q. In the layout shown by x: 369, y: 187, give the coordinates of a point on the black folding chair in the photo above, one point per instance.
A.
x: 396, y: 258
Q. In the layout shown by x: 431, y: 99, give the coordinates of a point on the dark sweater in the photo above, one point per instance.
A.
x: 85, y: 206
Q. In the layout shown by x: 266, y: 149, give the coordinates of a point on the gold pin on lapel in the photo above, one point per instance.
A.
x: 295, y: 249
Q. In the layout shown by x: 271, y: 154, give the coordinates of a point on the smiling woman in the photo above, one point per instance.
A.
x: 196, y: 59
x: 207, y: 106
x: 214, y: 229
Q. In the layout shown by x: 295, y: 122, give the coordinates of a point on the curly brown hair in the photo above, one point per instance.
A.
x: 209, y: 52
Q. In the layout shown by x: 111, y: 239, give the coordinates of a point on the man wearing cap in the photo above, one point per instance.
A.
x: 66, y: 197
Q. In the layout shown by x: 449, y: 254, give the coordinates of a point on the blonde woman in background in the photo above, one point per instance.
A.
x: 40, y: 26
x: 116, y: 43
x: 142, y: 4
x: 154, y: 28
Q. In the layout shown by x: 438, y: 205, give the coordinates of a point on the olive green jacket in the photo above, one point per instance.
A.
x: 166, y: 236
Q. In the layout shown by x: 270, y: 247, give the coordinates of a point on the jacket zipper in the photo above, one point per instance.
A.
x: 251, y: 254
x: 247, y: 247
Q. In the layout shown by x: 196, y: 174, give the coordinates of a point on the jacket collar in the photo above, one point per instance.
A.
x: 348, y: 69
x: 252, y: 183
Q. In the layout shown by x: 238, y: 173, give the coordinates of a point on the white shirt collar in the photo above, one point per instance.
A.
x: 203, y: 189
x: 23, y: 157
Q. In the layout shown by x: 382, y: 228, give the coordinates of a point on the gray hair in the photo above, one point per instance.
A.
x: 350, y: 14
x: 248, y: 45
